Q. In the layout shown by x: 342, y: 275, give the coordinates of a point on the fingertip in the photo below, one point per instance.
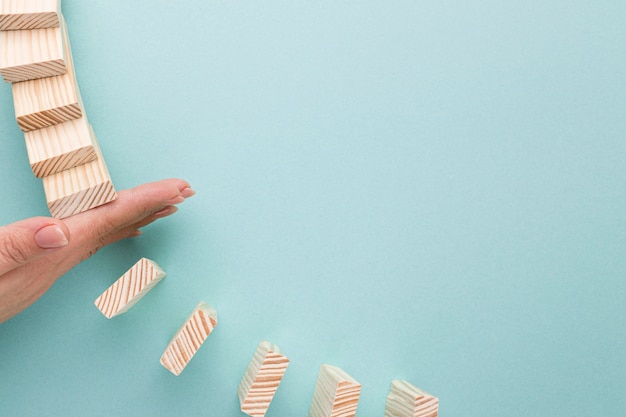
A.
x: 187, y: 192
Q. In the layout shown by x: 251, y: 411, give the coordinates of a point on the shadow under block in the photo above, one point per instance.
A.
x: 336, y: 394
x: 260, y: 382
x: 60, y: 147
x: 189, y: 338
x: 80, y: 188
x: 406, y: 400
x: 30, y: 54
x: 29, y: 14
x: 48, y: 101
x: 130, y: 288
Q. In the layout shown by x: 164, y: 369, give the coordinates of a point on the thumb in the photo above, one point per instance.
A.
x: 24, y: 241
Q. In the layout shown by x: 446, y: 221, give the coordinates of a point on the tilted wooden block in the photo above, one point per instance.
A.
x: 336, y: 394
x: 29, y: 14
x: 130, y: 288
x: 31, y: 54
x: 406, y: 400
x: 48, y: 101
x: 60, y: 147
x: 80, y: 188
x: 260, y: 382
x: 189, y: 338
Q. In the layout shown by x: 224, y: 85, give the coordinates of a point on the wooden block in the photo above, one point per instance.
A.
x: 260, y: 382
x: 80, y: 188
x: 29, y: 14
x: 31, y: 54
x: 406, y: 400
x: 60, y: 147
x: 336, y: 394
x: 48, y: 101
x: 189, y: 338
x: 130, y: 288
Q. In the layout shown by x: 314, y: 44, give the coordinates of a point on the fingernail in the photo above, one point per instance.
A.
x: 187, y: 192
x: 50, y: 237
x: 175, y: 200
x: 164, y: 212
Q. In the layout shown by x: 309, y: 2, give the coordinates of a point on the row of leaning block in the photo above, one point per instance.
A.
x: 61, y: 145
x: 132, y: 286
x: 336, y: 393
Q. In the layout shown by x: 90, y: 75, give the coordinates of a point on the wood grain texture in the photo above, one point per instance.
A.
x: 189, y: 338
x: 31, y: 54
x: 336, y: 394
x: 261, y: 380
x: 80, y: 188
x: 29, y: 14
x: 60, y: 147
x: 48, y: 101
x: 406, y: 400
x: 130, y: 288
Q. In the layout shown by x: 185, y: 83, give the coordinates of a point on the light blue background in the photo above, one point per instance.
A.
x: 424, y: 190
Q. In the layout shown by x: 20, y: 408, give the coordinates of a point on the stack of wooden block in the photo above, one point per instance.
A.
x: 61, y: 145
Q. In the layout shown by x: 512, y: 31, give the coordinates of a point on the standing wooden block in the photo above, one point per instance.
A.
x: 29, y: 14
x: 130, y: 288
x: 60, y: 147
x: 189, y: 338
x: 260, y: 382
x: 48, y: 101
x: 80, y: 188
x: 406, y: 400
x: 336, y: 394
x: 31, y: 54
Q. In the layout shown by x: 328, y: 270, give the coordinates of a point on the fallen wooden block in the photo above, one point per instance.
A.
x: 189, y: 338
x: 60, y: 147
x: 30, y: 54
x: 406, y: 400
x: 130, y: 288
x: 29, y: 14
x: 336, y: 394
x: 80, y: 188
x: 260, y: 382
x: 48, y: 101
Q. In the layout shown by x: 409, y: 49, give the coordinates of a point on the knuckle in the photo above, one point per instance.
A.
x: 14, y: 250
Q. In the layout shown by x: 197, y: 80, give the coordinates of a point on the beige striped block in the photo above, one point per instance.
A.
x: 130, y: 288
x: 336, y: 394
x: 189, y: 338
x: 406, y: 400
x: 29, y: 14
x: 260, y: 382
x: 80, y: 188
x: 60, y: 147
x: 48, y: 101
x: 30, y: 54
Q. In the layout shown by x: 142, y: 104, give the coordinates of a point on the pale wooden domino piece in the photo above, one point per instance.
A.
x: 189, y: 338
x: 406, y: 400
x: 29, y: 14
x: 260, y: 382
x: 30, y: 54
x: 336, y: 394
x: 80, y: 188
x: 130, y: 288
x: 48, y: 101
x: 60, y: 147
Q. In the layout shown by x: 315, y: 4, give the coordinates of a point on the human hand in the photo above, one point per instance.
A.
x: 35, y: 252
